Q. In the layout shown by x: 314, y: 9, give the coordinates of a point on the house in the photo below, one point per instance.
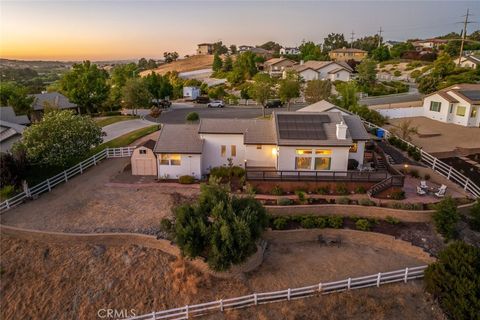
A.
x: 389, y: 44
x: 54, y: 100
x: 323, y: 70
x: 429, y: 44
x: 400, y: 105
x: 470, y: 61
x: 191, y: 92
x: 324, y: 106
x: 244, y: 48
x: 276, y: 66
x: 321, y: 142
x: 11, y: 128
x: 458, y: 104
x: 345, y: 54
x: 204, y: 48
x: 289, y: 50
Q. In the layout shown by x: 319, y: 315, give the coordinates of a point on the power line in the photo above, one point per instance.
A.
x: 380, y: 37
x: 464, y: 34
x: 351, y: 39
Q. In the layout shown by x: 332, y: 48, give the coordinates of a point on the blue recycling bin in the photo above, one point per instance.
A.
x: 380, y: 133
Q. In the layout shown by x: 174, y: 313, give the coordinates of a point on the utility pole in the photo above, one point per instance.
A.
x: 464, y: 35
x: 380, y: 37
x: 351, y: 39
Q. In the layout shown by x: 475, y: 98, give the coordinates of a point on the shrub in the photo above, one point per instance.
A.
x: 415, y: 74
x: 426, y: 177
x: 280, y: 223
x: 474, y: 220
x: 186, y: 179
x: 341, y: 188
x: 250, y: 189
x: 366, y: 202
x: 398, y: 195
x: 360, y: 189
x: 167, y: 226
x: 6, y: 192
x: 342, y: 200
x: 363, y: 225
x: 192, y: 117
x: 392, y: 220
x: 277, y: 191
x: 309, y: 222
x: 414, y: 173
x: 454, y: 279
x: 397, y: 73
x: 323, y: 190
x: 335, y: 222
x: 284, y: 201
x: 301, y: 196
x: 446, y: 217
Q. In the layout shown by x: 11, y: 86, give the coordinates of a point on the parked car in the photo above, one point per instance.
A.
x: 202, y: 99
x: 274, y: 103
x: 216, y: 104
x: 162, y: 103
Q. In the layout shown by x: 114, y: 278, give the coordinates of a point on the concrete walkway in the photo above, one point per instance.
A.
x: 118, y: 129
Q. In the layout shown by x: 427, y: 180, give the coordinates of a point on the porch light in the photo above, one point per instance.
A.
x: 274, y: 151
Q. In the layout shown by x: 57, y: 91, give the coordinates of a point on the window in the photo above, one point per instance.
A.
x: 303, y: 151
x: 435, y: 106
x: 461, y: 111
x: 323, y: 151
x: 451, y: 108
x: 142, y: 151
x: 223, y: 151
x: 259, y: 147
x: 322, y: 163
x: 233, y: 150
x: 170, y: 159
x: 303, y: 163
x: 354, y: 148
x: 473, y: 113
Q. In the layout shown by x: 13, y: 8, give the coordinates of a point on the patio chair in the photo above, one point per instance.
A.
x: 441, y: 191
x: 423, y: 185
x: 420, y: 191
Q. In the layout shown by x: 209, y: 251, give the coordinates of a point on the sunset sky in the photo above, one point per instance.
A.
x: 101, y: 30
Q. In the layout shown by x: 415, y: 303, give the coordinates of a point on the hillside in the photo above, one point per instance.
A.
x: 189, y: 64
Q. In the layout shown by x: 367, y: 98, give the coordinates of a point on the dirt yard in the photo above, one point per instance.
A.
x: 91, y: 203
x: 59, y: 281
x: 192, y: 63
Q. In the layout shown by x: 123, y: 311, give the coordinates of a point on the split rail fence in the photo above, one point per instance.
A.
x: 64, y: 176
x: 374, y: 280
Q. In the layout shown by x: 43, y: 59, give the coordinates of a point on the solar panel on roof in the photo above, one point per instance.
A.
x: 302, y: 127
x: 471, y: 94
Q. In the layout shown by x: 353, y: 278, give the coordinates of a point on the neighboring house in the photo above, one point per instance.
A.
x: 244, y: 48
x: 324, y: 106
x: 191, y: 92
x: 289, y: 50
x: 401, y: 105
x: 324, y: 70
x: 204, y: 48
x: 345, y: 54
x: 470, y: 61
x: 458, y: 104
x: 429, y: 44
x: 389, y: 44
x: 11, y: 128
x: 54, y: 100
x: 276, y: 66
x: 290, y: 142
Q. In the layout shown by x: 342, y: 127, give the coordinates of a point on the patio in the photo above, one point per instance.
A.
x: 411, y: 195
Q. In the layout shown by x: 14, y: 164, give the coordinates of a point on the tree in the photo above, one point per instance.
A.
x: 317, y: 90
x: 348, y: 95
x: 454, y: 279
x: 217, y: 63
x: 474, y: 219
x: 311, y: 51
x: 60, y: 138
x: 443, y: 66
x: 271, y: 46
x: 405, y: 130
x: 289, y: 88
x: 428, y: 84
x: 380, y: 54
x: 446, y: 217
x: 86, y: 85
x: 16, y: 97
x: 217, y: 92
x: 368, y: 43
x: 227, y: 64
x: 244, y: 68
x: 136, y: 95
x: 170, y: 56
x: 159, y: 86
x: 119, y: 76
x: 262, y: 89
x: 11, y: 170
x: 142, y: 64
x: 219, y: 48
x: 233, y: 49
x: 367, y: 73
x: 334, y: 41
x: 399, y: 49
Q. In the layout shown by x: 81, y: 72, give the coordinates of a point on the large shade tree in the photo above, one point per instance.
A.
x: 262, y: 89
x: 317, y: 90
x: 136, y: 95
x: 16, y: 97
x: 289, y: 88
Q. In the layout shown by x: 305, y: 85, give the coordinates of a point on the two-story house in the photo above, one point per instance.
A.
x: 275, y: 66
x: 345, y: 54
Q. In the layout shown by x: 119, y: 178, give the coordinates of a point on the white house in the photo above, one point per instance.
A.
x: 290, y: 142
x: 458, y: 104
x: 324, y: 106
x: 470, y: 61
x: 276, y: 66
x: 289, y: 50
x: 324, y: 70
x: 191, y: 92
x: 11, y: 127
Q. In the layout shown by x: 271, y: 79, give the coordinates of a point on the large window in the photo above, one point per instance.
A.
x: 233, y: 150
x: 435, y: 106
x: 170, y: 159
x: 461, y: 111
x: 303, y: 163
x: 322, y: 163
x: 309, y: 159
x: 223, y: 151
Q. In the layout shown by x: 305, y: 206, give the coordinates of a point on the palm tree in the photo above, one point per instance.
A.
x: 405, y: 130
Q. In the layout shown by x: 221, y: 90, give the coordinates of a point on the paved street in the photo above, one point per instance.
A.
x: 120, y: 128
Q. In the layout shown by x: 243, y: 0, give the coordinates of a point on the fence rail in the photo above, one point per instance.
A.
x: 374, y: 280
x: 286, y: 175
x: 64, y: 176
x: 438, y: 166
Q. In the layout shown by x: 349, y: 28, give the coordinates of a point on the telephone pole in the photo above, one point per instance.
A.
x: 380, y: 37
x: 464, y: 35
x: 351, y: 39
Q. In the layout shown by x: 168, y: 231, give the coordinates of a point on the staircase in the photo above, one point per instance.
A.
x: 392, y: 181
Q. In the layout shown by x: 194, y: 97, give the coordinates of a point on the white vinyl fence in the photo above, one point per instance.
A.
x: 438, y: 166
x: 374, y: 280
x: 47, y: 185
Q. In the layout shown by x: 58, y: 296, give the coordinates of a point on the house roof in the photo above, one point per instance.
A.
x: 391, y: 98
x: 54, y: 99
x: 255, y: 131
x: 467, y: 91
x: 474, y: 59
x: 356, y: 128
x: 316, y: 65
x: 348, y: 50
x: 274, y: 61
x: 179, y: 138
x: 322, y: 106
x: 8, y: 114
x: 9, y: 129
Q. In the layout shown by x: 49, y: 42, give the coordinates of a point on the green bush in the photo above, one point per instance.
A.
x: 366, y: 202
x: 280, y: 223
x: 415, y: 74
x: 363, y: 225
x: 277, y: 191
x: 392, y: 220
x: 454, y: 280
x: 323, y: 190
x: 342, y: 200
x: 397, y: 73
x: 360, y: 190
x: 341, y: 188
x: 398, y: 195
x: 192, y: 117
x: 167, y: 226
x: 321, y: 222
x: 446, y: 217
x: 426, y: 177
x: 284, y: 201
x: 7, y: 192
x: 335, y: 222
x: 186, y: 179
x: 308, y: 222
x: 474, y: 220
x: 302, y: 198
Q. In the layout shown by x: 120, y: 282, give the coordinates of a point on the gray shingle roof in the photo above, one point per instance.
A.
x: 255, y: 131
x: 54, y: 99
x: 356, y: 128
x: 8, y: 114
x: 179, y: 138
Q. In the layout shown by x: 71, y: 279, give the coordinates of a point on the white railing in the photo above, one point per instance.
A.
x: 438, y: 166
x: 47, y: 185
x: 374, y: 280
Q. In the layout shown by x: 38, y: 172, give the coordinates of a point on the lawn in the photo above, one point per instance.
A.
x: 105, y: 121
x: 126, y: 139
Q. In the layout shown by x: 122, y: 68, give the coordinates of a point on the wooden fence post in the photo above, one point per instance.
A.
x: 434, y: 163
x: 349, y: 283
x: 406, y: 275
x: 94, y: 160
x: 378, y: 279
x: 186, y: 311
x: 48, y: 184
x: 107, y: 153
x: 221, y: 305
x: 81, y: 169
x: 320, y: 287
x: 466, y: 184
x: 65, y: 175
x: 449, y: 173
x: 7, y: 204
x: 288, y: 294
x: 153, y: 316
x: 255, y: 298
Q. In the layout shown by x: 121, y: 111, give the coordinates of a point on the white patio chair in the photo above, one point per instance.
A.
x: 420, y: 191
x: 441, y: 191
x: 423, y: 184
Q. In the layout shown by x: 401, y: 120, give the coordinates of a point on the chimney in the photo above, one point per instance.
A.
x: 341, y: 131
x: 301, y: 62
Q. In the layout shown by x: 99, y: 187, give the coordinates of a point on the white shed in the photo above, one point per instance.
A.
x: 191, y: 92
x: 144, y: 162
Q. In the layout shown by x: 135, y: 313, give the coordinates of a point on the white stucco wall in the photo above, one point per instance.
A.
x: 309, y: 74
x: 339, y: 156
x: 324, y: 72
x: 451, y: 117
x: 439, y: 116
x: 360, y: 152
x: 394, y: 113
x: 263, y: 157
x: 342, y: 75
x: 190, y: 164
x: 212, y: 150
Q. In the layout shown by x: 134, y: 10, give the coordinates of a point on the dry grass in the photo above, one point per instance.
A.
x: 189, y: 64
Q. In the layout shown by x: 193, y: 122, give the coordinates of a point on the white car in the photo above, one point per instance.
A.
x: 216, y: 104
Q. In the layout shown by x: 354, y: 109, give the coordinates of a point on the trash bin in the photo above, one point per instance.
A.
x: 380, y: 133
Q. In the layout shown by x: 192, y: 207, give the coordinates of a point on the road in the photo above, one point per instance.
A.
x: 118, y: 129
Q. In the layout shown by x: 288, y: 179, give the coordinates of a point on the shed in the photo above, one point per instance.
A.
x: 143, y: 160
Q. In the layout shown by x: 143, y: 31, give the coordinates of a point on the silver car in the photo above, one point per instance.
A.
x: 216, y: 104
